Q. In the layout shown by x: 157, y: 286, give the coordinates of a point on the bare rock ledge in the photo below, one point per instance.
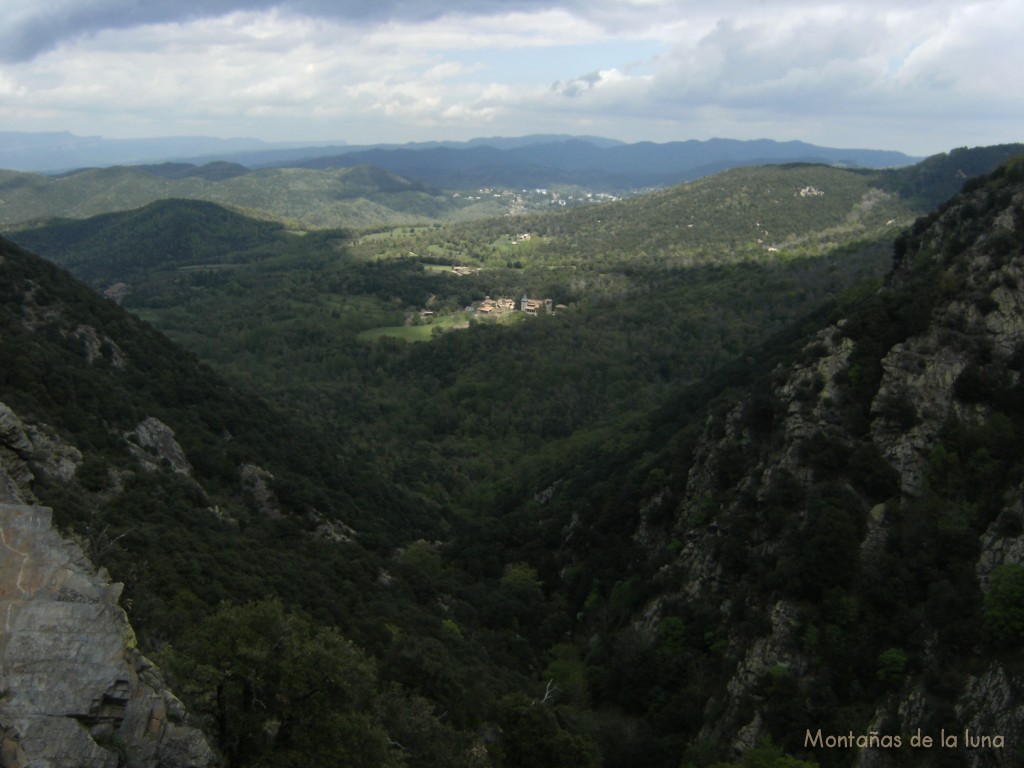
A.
x: 74, y: 690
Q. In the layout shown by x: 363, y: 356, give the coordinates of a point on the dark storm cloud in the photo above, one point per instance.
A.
x: 28, y: 32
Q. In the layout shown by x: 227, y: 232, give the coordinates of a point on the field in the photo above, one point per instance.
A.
x: 421, y: 332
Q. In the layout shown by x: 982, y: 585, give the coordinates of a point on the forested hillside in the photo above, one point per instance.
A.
x: 836, y: 548
x: 730, y: 492
x: 649, y: 304
x: 346, y: 197
x: 366, y: 195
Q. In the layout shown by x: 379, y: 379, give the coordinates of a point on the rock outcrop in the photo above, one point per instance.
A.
x: 152, y: 443
x: 75, y: 690
x: 868, y: 458
x: 257, y: 481
x: 22, y: 445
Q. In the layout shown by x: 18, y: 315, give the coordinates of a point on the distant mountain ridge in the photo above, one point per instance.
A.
x: 543, y: 159
x: 368, y: 194
x: 600, y: 167
x: 55, y: 151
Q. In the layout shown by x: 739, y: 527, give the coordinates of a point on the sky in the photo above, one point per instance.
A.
x: 920, y: 76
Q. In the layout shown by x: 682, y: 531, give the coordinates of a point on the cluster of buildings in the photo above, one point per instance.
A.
x: 493, y: 307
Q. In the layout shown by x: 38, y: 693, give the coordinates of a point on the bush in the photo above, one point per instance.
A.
x: 1004, y: 607
x: 892, y: 665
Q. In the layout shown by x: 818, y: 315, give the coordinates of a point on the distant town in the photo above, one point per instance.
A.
x: 526, y: 200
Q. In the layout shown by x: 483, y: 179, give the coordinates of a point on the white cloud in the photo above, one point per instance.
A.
x: 659, y: 69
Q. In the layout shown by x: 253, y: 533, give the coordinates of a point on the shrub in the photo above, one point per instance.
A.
x: 1004, y: 606
x: 892, y: 665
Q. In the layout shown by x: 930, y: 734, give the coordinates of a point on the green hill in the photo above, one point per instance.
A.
x: 243, y: 293
x: 743, y: 214
x: 746, y: 214
x: 937, y: 178
x: 308, y: 198
x: 165, y: 235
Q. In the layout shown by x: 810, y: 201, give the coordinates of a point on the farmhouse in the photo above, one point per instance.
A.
x: 536, y: 306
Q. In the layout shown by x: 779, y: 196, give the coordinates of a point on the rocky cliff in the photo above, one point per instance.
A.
x: 74, y: 690
x: 846, y: 519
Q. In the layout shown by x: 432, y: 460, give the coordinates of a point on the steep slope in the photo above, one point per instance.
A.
x: 259, y: 557
x: 937, y: 178
x: 840, y: 549
x: 76, y: 689
x: 94, y: 373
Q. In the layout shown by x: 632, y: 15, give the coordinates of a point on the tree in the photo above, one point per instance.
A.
x: 1004, y: 606
x: 767, y: 755
x: 533, y: 738
x: 281, y: 690
x: 892, y: 666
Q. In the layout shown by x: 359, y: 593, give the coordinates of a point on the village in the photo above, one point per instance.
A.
x: 520, y: 202
x: 490, y: 309
x: 495, y: 307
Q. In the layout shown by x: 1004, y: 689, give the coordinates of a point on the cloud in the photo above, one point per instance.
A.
x: 577, y: 86
x: 833, y: 60
x: 27, y: 30
x: 655, y: 69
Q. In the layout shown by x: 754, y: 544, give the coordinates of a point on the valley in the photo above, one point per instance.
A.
x: 734, y: 487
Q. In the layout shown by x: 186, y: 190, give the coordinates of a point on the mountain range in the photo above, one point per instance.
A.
x: 52, y: 152
x: 532, y: 161
x: 370, y: 195
x: 606, y: 168
x: 752, y: 498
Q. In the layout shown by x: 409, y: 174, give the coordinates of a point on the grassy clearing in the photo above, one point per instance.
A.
x: 425, y: 332
x: 404, y: 332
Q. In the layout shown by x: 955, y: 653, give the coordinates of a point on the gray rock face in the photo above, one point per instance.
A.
x: 24, y: 444
x: 977, y: 323
x: 152, y: 443
x: 76, y: 691
x: 921, y: 373
x: 257, y: 481
x: 992, y: 705
x: 97, y: 347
